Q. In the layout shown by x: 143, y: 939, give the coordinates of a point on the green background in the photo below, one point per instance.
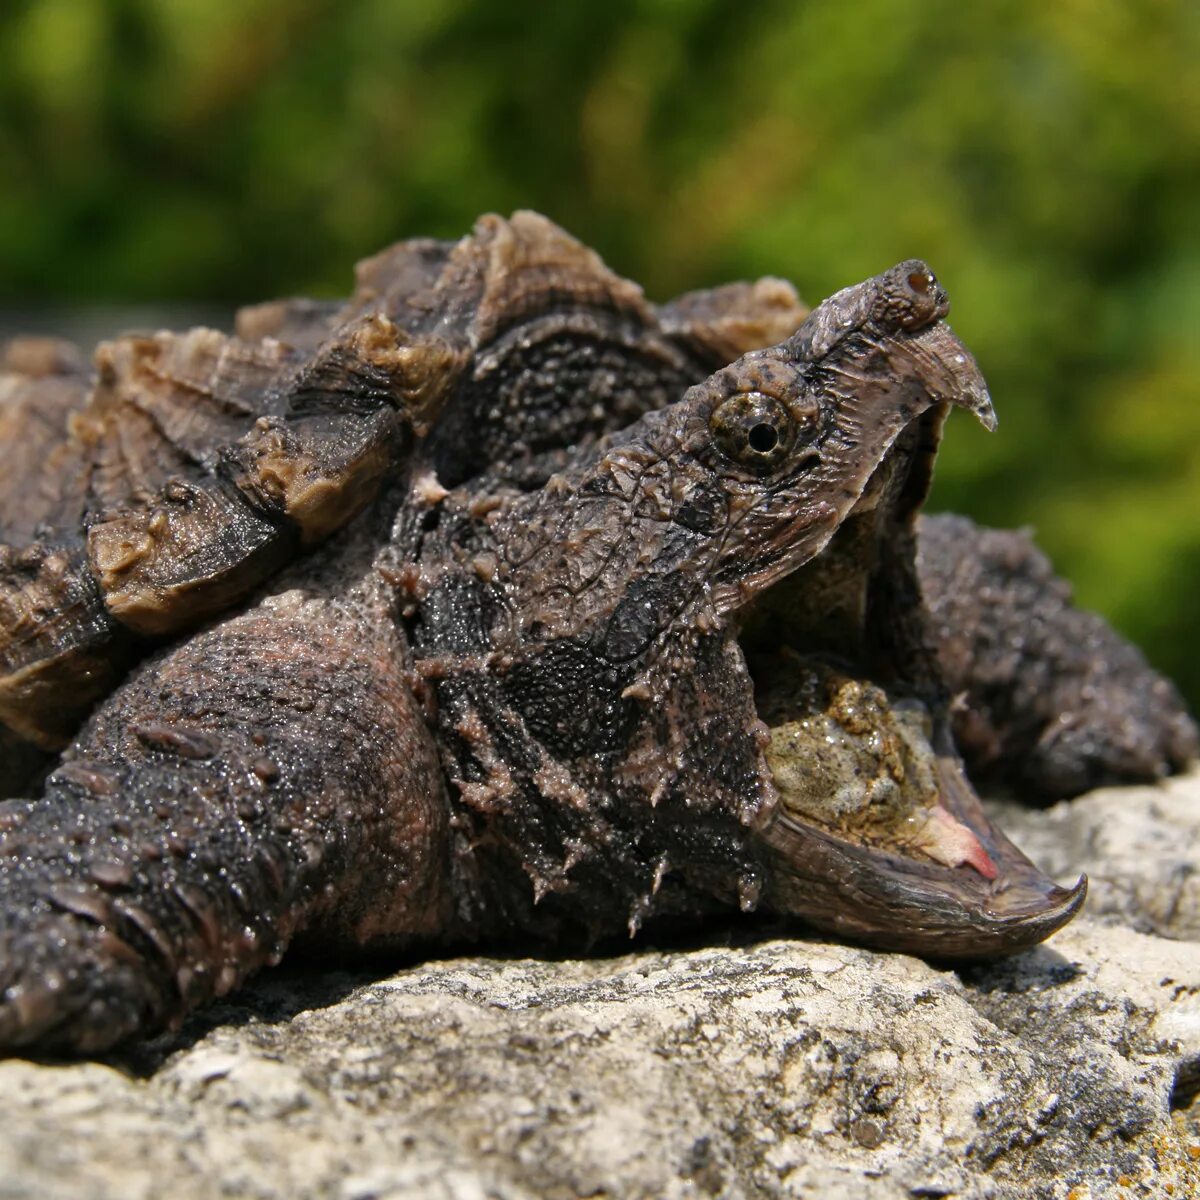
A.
x: 1043, y: 155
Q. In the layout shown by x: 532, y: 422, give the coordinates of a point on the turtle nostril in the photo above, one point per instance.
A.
x: 921, y: 281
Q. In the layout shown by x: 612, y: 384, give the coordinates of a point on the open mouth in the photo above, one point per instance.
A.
x: 877, y: 833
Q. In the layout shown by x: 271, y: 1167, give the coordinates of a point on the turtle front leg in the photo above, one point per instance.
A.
x: 1050, y: 699
x: 269, y: 778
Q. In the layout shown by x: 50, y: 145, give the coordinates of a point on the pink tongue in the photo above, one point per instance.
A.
x: 949, y: 841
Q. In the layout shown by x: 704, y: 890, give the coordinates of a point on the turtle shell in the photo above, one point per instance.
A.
x: 159, y: 486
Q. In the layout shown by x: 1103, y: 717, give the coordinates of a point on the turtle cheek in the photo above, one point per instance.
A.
x: 703, y: 510
x: 637, y: 620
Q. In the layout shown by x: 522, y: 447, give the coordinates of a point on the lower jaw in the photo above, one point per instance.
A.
x: 846, y: 891
x: 878, y: 835
x: 858, y: 762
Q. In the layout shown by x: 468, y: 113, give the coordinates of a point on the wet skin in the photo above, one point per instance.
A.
x: 552, y: 681
x: 634, y: 580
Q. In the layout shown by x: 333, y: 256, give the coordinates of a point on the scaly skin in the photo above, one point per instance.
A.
x: 528, y: 709
x: 139, y: 501
x: 1050, y: 700
x: 579, y: 647
x: 268, y: 777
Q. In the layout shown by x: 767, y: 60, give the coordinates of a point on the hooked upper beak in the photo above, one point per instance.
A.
x: 945, y: 884
x: 951, y: 374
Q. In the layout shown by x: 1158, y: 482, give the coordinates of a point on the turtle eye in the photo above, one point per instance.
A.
x: 753, y: 429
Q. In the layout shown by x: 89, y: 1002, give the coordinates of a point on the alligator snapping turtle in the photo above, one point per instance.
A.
x: 545, y: 613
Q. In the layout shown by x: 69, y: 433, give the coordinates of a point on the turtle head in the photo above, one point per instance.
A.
x: 873, y: 832
x: 777, y: 450
x: 713, y: 624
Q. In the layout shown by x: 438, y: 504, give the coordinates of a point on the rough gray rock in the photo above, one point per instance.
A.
x: 1140, y: 848
x: 768, y: 1066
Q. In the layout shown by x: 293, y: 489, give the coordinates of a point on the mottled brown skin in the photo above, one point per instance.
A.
x: 268, y: 778
x: 1050, y: 701
x: 160, y: 490
x: 578, y: 647
x: 171, y: 852
x: 522, y: 708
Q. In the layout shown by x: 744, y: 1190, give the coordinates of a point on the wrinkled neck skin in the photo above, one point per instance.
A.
x: 582, y: 650
x: 596, y: 722
x: 594, y: 705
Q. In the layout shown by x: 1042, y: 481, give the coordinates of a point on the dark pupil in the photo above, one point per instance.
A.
x: 763, y: 437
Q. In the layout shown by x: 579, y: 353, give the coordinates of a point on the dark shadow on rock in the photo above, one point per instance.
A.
x: 1185, y: 1087
x: 663, y: 935
x: 274, y: 997
x: 305, y: 983
x: 1036, y: 970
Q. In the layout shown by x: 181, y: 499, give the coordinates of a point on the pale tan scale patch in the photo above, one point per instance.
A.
x: 577, y: 851
x: 638, y: 690
x: 277, y: 463
x: 494, y: 793
x: 287, y: 603
x: 160, y: 569
x: 626, y: 481
x: 53, y: 629
x: 661, y: 868
x: 428, y: 489
x: 528, y: 257
x: 553, y: 780
x: 485, y: 566
x: 118, y: 545
x: 443, y: 666
x: 420, y: 372
x: 485, y: 505
x: 407, y: 579
x: 319, y: 502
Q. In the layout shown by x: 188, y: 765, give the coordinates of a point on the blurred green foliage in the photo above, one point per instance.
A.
x: 1044, y: 157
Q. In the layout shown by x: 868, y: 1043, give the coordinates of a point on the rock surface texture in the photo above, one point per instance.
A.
x: 759, y: 1065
